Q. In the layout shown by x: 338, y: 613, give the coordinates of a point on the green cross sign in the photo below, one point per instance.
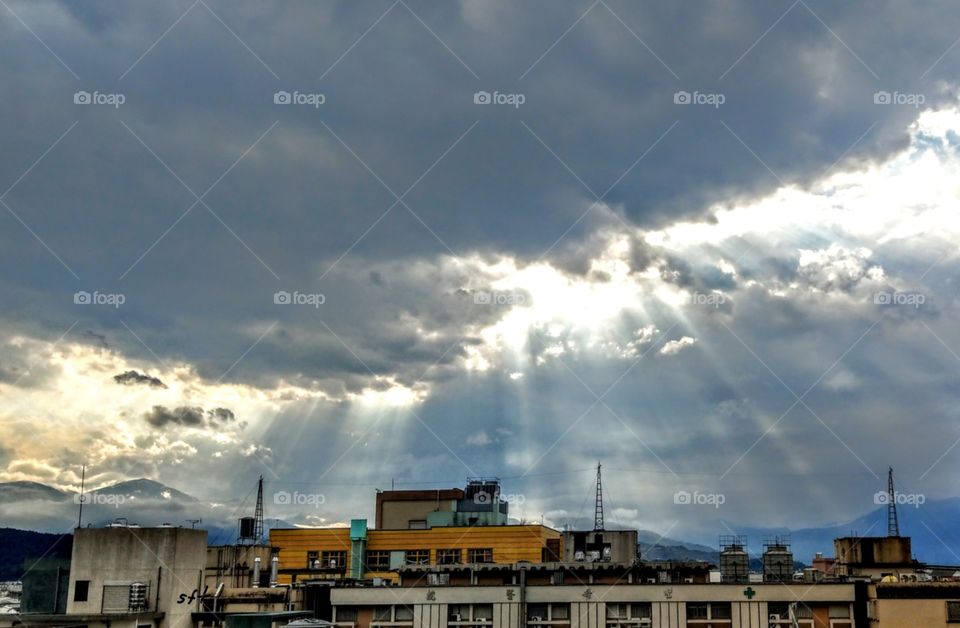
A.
x: 749, y: 592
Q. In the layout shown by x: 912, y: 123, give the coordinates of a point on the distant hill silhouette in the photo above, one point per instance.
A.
x: 22, y: 548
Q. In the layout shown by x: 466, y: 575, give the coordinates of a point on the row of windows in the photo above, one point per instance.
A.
x: 618, y: 614
x: 379, y: 560
x: 326, y: 560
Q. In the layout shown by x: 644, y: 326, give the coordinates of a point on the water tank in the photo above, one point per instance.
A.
x: 247, y: 525
x: 734, y: 564
x: 777, y: 563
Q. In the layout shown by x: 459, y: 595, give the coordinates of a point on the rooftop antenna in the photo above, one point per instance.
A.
x: 893, y: 525
x: 258, y: 513
x: 598, y: 512
x: 193, y: 523
x: 83, y: 476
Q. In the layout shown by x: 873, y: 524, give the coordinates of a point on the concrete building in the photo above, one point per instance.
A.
x: 131, y: 577
x: 480, y: 503
x: 596, y: 596
x: 914, y: 604
x: 619, y: 546
x: 874, y: 556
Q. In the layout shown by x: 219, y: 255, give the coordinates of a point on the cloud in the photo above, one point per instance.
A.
x: 837, y: 268
x: 133, y: 377
x: 479, y: 439
x: 160, y: 416
x: 674, y: 347
x: 746, y: 206
x: 187, y: 416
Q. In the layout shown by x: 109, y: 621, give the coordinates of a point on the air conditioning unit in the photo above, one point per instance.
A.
x: 579, y: 557
x: 536, y: 618
x: 457, y: 617
x: 688, y: 580
x: 333, y: 563
x: 651, y: 580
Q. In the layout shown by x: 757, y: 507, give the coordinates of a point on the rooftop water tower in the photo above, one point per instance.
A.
x: 777, y: 559
x: 734, y: 562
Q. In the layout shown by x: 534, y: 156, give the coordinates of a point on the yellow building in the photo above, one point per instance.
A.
x: 358, y: 553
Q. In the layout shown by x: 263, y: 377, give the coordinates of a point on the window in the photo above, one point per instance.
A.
x: 803, y: 611
x: 346, y: 614
x: 711, y: 615
x: 449, y: 556
x: 720, y: 610
x: 839, y: 611
x: 617, y: 611
x: 378, y: 560
x: 778, y: 609
x: 313, y: 560
x: 625, y: 614
x: 540, y: 614
x: 470, y: 614
x: 480, y: 555
x: 641, y: 611
x: 537, y: 612
x: 392, y: 614
x: 418, y: 557
x: 483, y: 612
x: 438, y: 579
x: 696, y: 610
x: 81, y: 589
x: 953, y: 611
x: 333, y: 559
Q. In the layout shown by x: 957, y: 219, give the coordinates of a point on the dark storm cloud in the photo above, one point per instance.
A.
x: 161, y: 416
x: 799, y: 100
x: 133, y: 378
x: 221, y: 415
x: 189, y: 416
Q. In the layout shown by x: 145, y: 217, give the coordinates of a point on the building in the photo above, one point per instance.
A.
x: 619, y: 546
x: 480, y: 503
x: 874, y: 556
x: 357, y: 553
x: 595, y: 595
x: 909, y: 604
x: 129, y: 577
x: 238, y: 566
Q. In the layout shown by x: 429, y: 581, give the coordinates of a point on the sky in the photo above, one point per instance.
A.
x: 348, y: 245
